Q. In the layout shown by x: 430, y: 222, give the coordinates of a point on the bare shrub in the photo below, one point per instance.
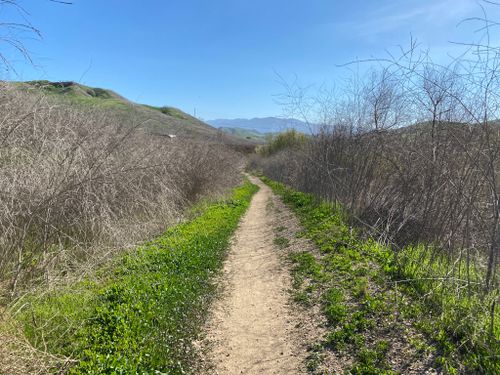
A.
x: 75, y: 185
x: 413, y: 151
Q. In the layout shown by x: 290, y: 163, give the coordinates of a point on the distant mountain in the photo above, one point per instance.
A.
x: 262, y: 125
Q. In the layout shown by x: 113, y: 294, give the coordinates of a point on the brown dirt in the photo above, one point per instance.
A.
x: 254, y: 330
x: 313, y: 323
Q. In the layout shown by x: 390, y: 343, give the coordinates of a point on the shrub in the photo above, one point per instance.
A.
x: 77, y: 185
x: 141, y: 313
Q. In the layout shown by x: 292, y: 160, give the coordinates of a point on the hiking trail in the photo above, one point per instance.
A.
x: 253, y: 328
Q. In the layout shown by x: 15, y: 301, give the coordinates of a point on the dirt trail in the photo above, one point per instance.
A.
x: 253, y: 330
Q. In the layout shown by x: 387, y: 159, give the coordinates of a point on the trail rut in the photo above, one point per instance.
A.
x: 253, y: 330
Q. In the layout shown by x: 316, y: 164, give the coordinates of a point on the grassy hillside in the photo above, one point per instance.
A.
x: 84, y: 169
x: 157, y: 120
x: 253, y: 135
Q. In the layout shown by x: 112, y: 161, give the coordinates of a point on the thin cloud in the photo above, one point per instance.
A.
x: 419, y: 15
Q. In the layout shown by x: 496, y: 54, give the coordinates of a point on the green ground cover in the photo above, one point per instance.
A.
x: 369, y: 295
x: 141, y: 314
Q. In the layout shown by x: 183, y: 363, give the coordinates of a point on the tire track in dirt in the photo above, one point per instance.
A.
x: 253, y: 329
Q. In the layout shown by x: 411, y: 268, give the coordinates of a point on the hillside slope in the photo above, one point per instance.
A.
x: 157, y: 120
x: 253, y: 135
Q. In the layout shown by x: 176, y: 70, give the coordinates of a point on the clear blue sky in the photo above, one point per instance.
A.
x: 221, y: 56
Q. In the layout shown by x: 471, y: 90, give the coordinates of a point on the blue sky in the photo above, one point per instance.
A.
x: 222, y: 56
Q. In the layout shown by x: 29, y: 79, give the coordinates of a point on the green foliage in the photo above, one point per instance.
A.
x: 282, y: 242
x: 290, y: 139
x: 142, y: 316
x: 373, y: 362
x: 458, y: 317
x: 170, y: 111
x: 335, y: 308
x: 253, y: 135
x: 305, y: 266
x: 314, y: 358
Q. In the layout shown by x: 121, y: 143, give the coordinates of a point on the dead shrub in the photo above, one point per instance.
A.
x: 77, y: 185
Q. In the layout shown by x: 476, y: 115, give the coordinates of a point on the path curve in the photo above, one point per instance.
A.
x: 252, y: 326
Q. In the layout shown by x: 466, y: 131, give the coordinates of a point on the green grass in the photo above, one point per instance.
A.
x: 78, y: 94
x: 170, y: 111
x: 458, y: 315
x: 367, y: 294
x: 282, y: 242
x: 246, y: 134
x: 142, y: 314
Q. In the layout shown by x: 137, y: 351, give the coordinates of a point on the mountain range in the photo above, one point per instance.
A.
x: 261, y: 125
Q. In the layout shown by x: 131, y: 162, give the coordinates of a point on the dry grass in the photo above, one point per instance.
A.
x: 18, y: 356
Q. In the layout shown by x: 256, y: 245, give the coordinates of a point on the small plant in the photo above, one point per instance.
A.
x: 315, y: 358
x: 335, y: 308
x: 282, y: 242
x: 372, y: 362
x: 360, y: 288
x: 303, y: 297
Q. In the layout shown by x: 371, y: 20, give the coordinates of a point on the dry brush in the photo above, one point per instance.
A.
x: 76, y: 185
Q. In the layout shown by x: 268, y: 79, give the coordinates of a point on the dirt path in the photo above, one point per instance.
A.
x: 253, y: 330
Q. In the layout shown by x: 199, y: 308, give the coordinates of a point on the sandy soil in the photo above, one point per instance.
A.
x: 253, y: 329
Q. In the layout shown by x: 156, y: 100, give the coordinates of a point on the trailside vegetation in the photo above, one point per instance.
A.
x: 79, y: 184
x: 141, y: 313
x: 377, y: 301
x: 290, y: 139
x: 411, y: 149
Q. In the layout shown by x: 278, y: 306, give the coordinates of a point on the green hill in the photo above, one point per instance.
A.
x: 157, y: 120
x: 253, y: 135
